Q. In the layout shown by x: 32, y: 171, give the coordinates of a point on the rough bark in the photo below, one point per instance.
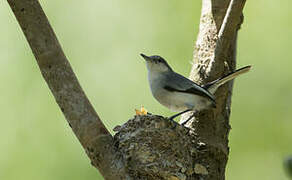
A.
x: 150, y: 146
x: 214, y: 56
x: 56, y: 70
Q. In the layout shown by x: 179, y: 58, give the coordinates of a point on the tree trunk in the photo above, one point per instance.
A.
x: 214, y: 56
x: 149, y: 146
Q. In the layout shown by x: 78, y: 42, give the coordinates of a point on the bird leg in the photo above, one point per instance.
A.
x: 187, y: 120
x: 180, y: 113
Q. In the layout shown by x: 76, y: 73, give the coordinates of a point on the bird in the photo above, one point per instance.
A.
x: 180, y: 94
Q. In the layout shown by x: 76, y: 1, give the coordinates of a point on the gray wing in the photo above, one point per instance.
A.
x: 181, y: 84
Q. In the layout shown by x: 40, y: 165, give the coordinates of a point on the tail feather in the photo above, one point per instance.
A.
x: 212, y: 86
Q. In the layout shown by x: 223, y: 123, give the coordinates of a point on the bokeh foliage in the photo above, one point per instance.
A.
x: 102, y: 40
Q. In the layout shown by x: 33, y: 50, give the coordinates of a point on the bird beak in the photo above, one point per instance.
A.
x: 147, y: 58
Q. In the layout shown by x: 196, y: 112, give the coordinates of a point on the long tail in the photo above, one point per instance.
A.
x: 212, y: 86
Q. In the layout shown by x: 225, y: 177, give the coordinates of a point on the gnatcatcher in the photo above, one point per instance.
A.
x: 179, y: 93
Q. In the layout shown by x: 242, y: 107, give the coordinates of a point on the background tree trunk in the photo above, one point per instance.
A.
x: 146, y: 147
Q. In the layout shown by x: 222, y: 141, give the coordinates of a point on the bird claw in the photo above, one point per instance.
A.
x: 171, y: 119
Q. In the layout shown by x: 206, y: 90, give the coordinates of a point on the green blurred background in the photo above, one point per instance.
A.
x: 102, y: 40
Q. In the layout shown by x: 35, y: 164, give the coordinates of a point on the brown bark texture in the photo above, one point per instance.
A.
x: 214, y: 56
x: 56, y: 70
x: 149, y: 146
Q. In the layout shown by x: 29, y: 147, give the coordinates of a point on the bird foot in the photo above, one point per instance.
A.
x: 187, y: 120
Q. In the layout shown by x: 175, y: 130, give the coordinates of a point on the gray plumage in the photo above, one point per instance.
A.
x: 179, y: 93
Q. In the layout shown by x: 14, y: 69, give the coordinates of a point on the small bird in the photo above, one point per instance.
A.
x: 177, y: 92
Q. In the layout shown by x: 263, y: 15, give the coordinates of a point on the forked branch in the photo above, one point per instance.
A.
x: 146, y: 147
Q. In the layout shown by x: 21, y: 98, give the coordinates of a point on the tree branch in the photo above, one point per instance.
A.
x: 146, y: 147
x: 214, y: 56
x: 230, y: 25
x: 56, y: 70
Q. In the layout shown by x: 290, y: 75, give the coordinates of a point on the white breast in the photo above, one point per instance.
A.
x: 175, y: 101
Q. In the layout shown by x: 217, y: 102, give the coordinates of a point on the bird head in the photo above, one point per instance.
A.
x: 156, y: 64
